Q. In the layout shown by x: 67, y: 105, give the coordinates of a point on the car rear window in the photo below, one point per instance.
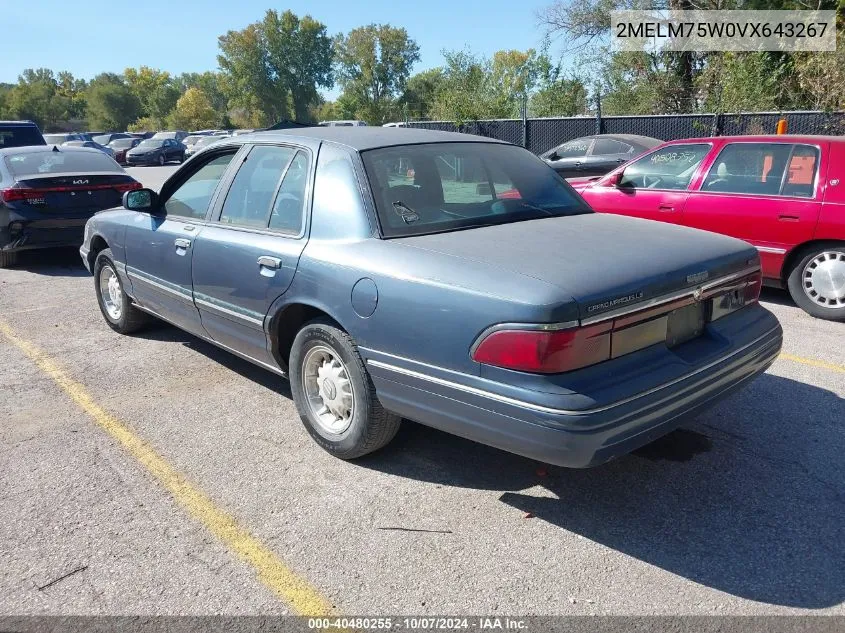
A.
x: 50, y: 162
x: 19, y: 136
x: 439, y: 187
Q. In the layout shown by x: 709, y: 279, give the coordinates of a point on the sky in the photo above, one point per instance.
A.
x: 87, y: 37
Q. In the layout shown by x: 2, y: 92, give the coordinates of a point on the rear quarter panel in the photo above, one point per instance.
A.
x: 831, y: 224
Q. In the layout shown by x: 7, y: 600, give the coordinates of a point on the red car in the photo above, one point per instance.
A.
x: 783, y: 194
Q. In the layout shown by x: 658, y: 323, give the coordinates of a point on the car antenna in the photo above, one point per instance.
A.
x: 55, y: 148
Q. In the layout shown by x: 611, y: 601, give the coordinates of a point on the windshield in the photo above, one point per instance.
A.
x: 422, y: 189
x: 151, y: 143
x: 102, y: 139
x: 55, y: 139
x: 50, y: 162
x: 122, y: 143
x: 190, y: 140
x: 74, y: 143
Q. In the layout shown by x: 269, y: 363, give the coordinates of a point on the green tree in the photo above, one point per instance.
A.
x: 513, y: 75
x: 374, y: 64
x: 155, y: 90
x: 272, y: 69
x: 556, y: 94
x: 111, y: 104
x: 420, y: 93
x: 210, y: 83
x: 464, y: 94
x: 36, y: 96
x: 193, y: 111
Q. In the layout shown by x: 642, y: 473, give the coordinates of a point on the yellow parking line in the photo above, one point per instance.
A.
x: 272, y: 571
x: 813, y: 363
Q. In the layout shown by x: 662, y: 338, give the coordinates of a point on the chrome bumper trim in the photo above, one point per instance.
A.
x: 553, y: 410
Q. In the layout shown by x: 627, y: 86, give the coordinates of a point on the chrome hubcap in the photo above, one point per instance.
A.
x: 328, y: 389
x: 824, y: 279
x: 110, y: 292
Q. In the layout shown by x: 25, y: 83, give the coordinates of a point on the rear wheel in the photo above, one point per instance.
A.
x: 7, y: 260
x: 334, y: 395
x: 114, y: 303
x: 817, y: 281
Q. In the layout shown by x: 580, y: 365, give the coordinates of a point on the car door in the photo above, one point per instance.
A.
x: 247, y: 256
x: 159, y: 247
x: 654, y: 187
x: 768, y: 193
x: 568, y: 159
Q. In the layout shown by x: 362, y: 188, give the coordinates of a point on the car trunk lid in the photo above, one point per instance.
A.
x: 606, y: 263
x: 63, y: 193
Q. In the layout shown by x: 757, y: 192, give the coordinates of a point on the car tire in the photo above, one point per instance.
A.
x: 7, y: 259
x: 161, y: 160
x: 821, y: 301
x: 182, y: 158
x: 117, y: 308
x: 356, y: 424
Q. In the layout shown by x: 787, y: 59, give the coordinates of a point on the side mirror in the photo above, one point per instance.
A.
x: 614, y: 180
x: 553, y: 156
x: 145, y: 200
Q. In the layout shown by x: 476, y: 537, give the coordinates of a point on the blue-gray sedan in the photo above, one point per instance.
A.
x: 449, y: 279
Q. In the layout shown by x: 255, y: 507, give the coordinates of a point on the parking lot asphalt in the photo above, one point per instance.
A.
x: 158, y: 474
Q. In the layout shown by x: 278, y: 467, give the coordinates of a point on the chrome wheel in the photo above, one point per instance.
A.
x: 110, y: 292
x: 328, y: 389
x: 823, y: 279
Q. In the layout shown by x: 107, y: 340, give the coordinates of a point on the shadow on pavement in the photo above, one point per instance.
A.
x: 58, y: 262
x: 777, y: 296
x: 164, y: 332
x: 749, y: 501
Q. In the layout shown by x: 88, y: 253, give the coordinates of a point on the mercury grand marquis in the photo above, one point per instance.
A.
x: 448, y: 279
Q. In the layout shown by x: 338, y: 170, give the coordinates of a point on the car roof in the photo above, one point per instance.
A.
x: 362, y: 138
x: 33, y: 149
x: 764, y: 138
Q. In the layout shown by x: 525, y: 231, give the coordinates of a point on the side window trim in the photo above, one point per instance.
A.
x: 784, y: 177
x: 226, y: 182
x: 169, y: 188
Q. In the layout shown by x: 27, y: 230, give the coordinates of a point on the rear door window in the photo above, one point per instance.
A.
x: 254, y: 187
x: 287, y: 213
x: 764, y: 169
x: 671, y: 167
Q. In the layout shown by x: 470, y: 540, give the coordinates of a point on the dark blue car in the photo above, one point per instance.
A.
x: 449, y: 279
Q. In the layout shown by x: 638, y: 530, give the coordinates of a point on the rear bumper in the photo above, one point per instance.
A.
x: 574, y: 438
x: 22, y: 235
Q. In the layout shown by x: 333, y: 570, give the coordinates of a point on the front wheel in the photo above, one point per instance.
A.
x: 817, y: 281
x: 334, y: 394
x: 114, y: 303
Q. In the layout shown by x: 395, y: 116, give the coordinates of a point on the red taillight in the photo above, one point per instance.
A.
x: 545, y: 351
x: 539, y: 349
x: 16, y: 194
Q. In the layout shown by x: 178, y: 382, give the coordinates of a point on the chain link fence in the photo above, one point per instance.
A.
x: 540, y: 135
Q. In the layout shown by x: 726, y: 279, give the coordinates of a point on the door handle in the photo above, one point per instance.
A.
x: 266, y: 261
x: 182, y: 243
x: 189, y: 227
x: 788, y: 218
x: 665, y: 207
